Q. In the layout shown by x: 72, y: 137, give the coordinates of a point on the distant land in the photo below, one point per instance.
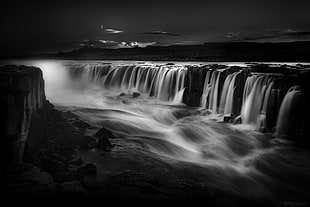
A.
x: 217, y: 52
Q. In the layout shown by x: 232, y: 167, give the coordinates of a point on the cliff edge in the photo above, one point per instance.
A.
x: 22, y: 95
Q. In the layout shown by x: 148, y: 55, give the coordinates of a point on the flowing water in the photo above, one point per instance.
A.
x: 235, y: 158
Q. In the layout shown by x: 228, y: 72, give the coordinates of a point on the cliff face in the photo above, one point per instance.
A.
x: 22, y: 95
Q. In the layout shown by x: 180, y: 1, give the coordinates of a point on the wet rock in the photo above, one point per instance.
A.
x: 72, y: 187
x: 228, y: 118
x: 70, y: 115
x: 238, y: 120
x: 88, y: 142
x: 89, y: 139
x: 127, y: 102
x: 76, y: 162
x: 104, y: 145
x: 67, y: 177
x: 103, y: 136
x: 206, y: 112
x: 80, y: 124
x: 54, y: 166
x: 132, y: 184
x: 66, y: 128
x: 194, y: 83
x: 33, y: 174
x: 135, y: 94
x: 85, y: 146
x: 89, y: 169
x: 104, y: 133
x: 28, y: 181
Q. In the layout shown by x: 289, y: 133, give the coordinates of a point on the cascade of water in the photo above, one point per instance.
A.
x: 162, y: 82
x: 206, y: 89
x: 251, y: 107
x: 291, y: 114
x: 224, y: 93
x: 214, y: 91
x: 258, y: 96
x: 230, y: 94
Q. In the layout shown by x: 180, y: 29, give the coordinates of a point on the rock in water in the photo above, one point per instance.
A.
x: 135, y: 94
x: 104, y: 133
x: 76, y: 162
x: 228, y: 118
x: 238, y: 120
x: 103, y: 136
x: 127, y: 102
x: 72, y: 187
x: 89, y: 169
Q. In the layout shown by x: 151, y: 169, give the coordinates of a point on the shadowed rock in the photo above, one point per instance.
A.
x: 89, y: 169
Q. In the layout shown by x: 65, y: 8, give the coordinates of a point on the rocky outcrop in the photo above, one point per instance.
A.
x: 194, y: 83
x: 22, y: 95
x: 35, y: 132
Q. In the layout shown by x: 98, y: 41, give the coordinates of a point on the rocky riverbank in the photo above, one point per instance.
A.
x: 49, y: 166
x: 39, y: 140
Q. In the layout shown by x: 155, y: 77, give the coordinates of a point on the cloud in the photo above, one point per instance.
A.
x: 135, y: 44
x: 289, y: 32
x: 279, y: 35
x: 110, y: 44
x: 112, y: 31
x: 160, y: 33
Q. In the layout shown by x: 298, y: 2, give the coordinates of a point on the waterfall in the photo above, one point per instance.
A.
x: 165, y: 83
x: 227, y: 97
x: 215, y: 78
x: 251, y: 107
x: 291, y: 114
x: 256, y: 97
x: 206, y: 89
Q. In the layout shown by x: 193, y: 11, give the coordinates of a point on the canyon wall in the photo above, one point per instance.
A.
x: 22, y: 95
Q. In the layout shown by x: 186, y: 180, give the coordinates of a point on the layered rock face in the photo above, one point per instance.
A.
x: 22, y: 95
x: 39, y: 141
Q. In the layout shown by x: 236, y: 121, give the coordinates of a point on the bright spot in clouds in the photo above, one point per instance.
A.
x: 112, y: 31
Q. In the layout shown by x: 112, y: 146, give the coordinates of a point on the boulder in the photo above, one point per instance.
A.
x: 67, y: 177
x: 238, y: 120
x: 72, y: 187
x: 228, y: 118
x: 76, y: 162
x: 30, y: 182
x: 70, y: 115
x: 206, y: 112
x: 104, y: 133
x: 135, y: 94
x: 32, y: 174
x: 85, y: 146
x: 80, y: 124
x: 54, y: 166
x: 103, y: 136
x: 127, y: 101
x: 89, y: 169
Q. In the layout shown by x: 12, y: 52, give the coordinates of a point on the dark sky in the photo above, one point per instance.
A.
x: 41, y: 26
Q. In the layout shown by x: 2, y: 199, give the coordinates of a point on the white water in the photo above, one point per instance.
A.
x: 234, y: 157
